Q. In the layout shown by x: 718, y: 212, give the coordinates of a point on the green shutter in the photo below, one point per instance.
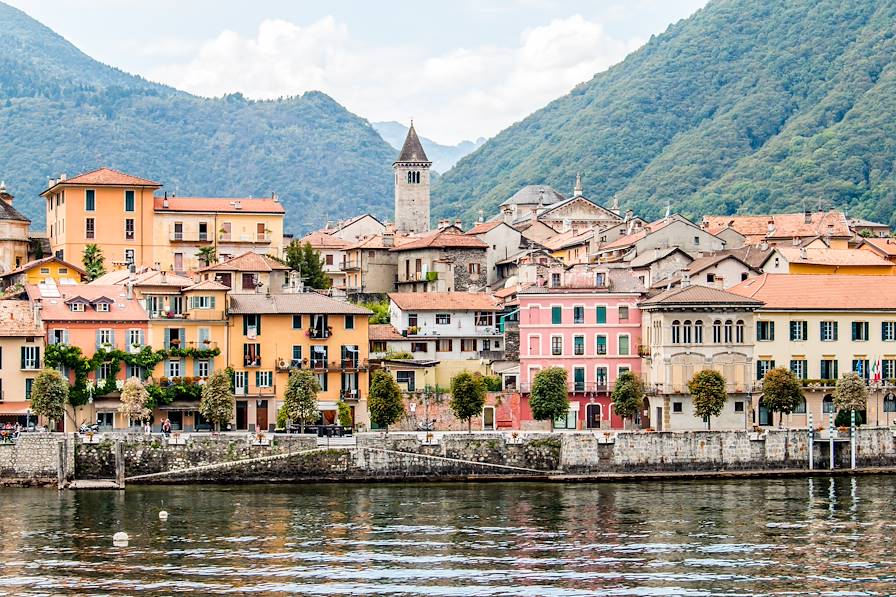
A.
x: 258, y: 325
x: 212, y: 302
x: 245, y: 325
x: 601, y: 314
x: 836, y: 331
x: 771, y: 330
x: 23, y: 357
x: 556, y: 315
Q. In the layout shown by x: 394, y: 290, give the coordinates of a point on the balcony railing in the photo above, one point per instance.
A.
x: 166, y: 315
x: 351, y: 265
x: 320, y: 334
x: 251, y: 361
x: 682, y: 388
x: 350, y: 394
x: 264, y: 391
x: 189, y: 237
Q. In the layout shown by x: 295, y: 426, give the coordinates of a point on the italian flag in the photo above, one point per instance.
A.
x: 875, y: 370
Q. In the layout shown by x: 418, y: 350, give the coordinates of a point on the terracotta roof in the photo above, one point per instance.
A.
x: 447, y: 301
x: 206, y: 285
x: 442, y: 239
x: 144, y: 277
x: 54, y: 308
x: 39, y: 262
x: 285, y: 304
x: 483, y: 227
x: 504, y: 293
x: 412, y: 150
x: 106, y: 177
x: 247, y: 262
x: 885, y: 246
x: 630, y: 239
x: 17, y: 319
x: 792, y: 225
x: 821, y: 292
x: 218, y: 205
x: 698, y: 295
x: 752, y: 255
x: 376, y: 242
x: 383, y: 331
x: 324, y: 240
x: 839, y: 257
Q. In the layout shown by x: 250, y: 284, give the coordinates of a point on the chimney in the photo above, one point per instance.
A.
x: 164, y: 278
x: 808, y: 217
x: 686, y: 279
x: 35, y: 310
x: 275, y: 197
x: 481, y: 216
x: 771, y: 226
x: 388, y: 239
x: 130, y: 289
x: 507, y: 214
x: 62, y: 177
x: 443, y: 224
x: 165, y: 200
x: 803, y: 253
x: 458, y: 223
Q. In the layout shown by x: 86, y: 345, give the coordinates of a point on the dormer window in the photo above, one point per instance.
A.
x: 102, y: 307
x: 78, y: 307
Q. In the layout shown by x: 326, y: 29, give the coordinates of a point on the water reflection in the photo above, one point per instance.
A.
x: 793, y: 536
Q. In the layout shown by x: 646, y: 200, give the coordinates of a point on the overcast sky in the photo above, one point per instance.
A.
x: 462, y: 69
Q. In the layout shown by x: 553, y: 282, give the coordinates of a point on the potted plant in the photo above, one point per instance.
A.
x: 175, y: 342
x: 206, y: 341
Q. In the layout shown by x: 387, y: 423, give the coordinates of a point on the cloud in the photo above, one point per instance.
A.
x: 459, y: 94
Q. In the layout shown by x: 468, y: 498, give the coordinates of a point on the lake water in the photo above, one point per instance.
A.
x: 797, y: 536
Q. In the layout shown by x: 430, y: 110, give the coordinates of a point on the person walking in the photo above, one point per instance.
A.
x: 166, y: 427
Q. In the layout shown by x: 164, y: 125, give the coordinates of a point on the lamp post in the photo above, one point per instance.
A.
x: 27, y: 418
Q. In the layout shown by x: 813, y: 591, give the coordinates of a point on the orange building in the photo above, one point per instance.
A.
x: 105, y: 207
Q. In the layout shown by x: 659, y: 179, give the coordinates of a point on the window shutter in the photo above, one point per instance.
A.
x: 771, y: 330
x: 140, y: 338
x: 821, y: 331
x: 258, y: 324
x: 805, y: 326
x: 212, y: 302
x: 883, y: 330
x: 257, y: 378
x: 112, y: 338
x: 195, y: 367
x: 23, y: 357
x: 97, y: 338
x: 601, y: 314
x: 245, y: 325
x: 836, y: 333
x: 556, y: 315
x: 37, y: 356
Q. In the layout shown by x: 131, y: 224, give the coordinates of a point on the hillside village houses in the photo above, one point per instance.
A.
x: 547, y: 280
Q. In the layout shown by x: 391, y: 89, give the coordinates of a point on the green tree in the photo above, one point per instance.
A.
x: 707, y: 389
x: 380, y: 311
x: 133, y: 400
x: 781, y: 392
x: 207, y: 255
x: 467, y: 396
x: 300, y: 399
x: 217, y: 400
x: 549, y: 397
x: 851, y: 392
x: 344, y: 412
x: 384, y: 400
x: 49, y: 394
x: 306, y: 261
x: 628, y: 395
x: 94, y: 263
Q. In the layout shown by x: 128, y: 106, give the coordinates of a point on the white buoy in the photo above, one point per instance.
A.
x: 163, y: 515
x: 120, y: 539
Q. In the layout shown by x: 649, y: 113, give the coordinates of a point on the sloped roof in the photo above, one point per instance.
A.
x: 820, y: 292
x: 247, y: 262
x: 324, y: 240
x: 106, y: 177
x: 790, y: 225
x: 886, y: 246
x: 838, y: 257
x: 144, y: 277
x: 8, y: 212
x: 206, y: 285
x: 384, y: 331
x: 752, y: 255
x: 649, y: 257
x: 534, y: 194
x: 54, y: 308
x: 376, y: 242
x: 444, y: 239
x: 447, y: 301
x: 17, y: 319
x: 412, y: 150
x: 286, y: 304
x: 483, y: 227
x: 40, y: 262
x: 699, y: 295
x: 570, y: 200
x: 218, y: 205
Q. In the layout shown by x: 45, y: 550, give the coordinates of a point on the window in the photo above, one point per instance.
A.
x: 202, y: 302
x: 63, y: 271
x: 600, y: 376
x: 676, y: 332
x: 328, y: 259
x: 739, y: 406
x: 600, y: 278
x: 555, y: 280
x: 578, y: 345
x: 89, y: 200
x: 799, y: 331
x: 710, y: 278
x: 202, y: 368
x: 888, y: 331
x: 264, y: 379
x: 58, y: 336
x: 485, y: 318
x: 104, y: 336
x: 601, y: 344
x: 677, y: 407
x: 443, y: 318
x: 578, y: 314
x: 717, y: 332
x: 828, y: 369
x: 728, y: 329
x: 349, y: 322
x: 134, y: 371
x: 129, y: 229
x: 77, y: 307
x: 698, y: 332
x: 252, y: 325
x: 623, y: 313
x: 468, y: 345
x: 129, y: 256
x: 828, y: 331
x: 860, y: 366
x: 102, y: 307
x: 129, y: 200
x: 567, y: 421
x: 601, y: 314
x: 419, y: 347
x: 686, y: 331
x: 888, y: 370
x: 297, y: 356
x: 556, y: 315
x: 173, y: 369
x: 249, y: 281
x: 860, y: 331
x: 444, y: 345
x: 765, y: 331
x: 90, y: 228
x: 30, y: 357
x: 473, y: 268
x: 827, y: 404
x: 799, y: 368
x: 763, y: 367
x: 800, y: 408
x: 890, y: 403
x: 412, y: 320
x: 28, y: 385
x: 318, y: 356
x: 296, y: 322
x: 407, y: 378
x: 45, y: 270
x: 252, y: 355
x: 623, y: 345
x: 739, y: 331
x: 696, y: 240
x: 556, y: 345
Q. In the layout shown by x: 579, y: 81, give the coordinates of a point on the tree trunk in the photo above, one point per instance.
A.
x: 709, y: 423
x: 781, y: 420
x: 470, y: 426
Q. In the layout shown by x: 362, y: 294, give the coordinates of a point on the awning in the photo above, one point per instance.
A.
x: 179, y: 405
x: 14, y: 408
x: 106, y: 404
x: 321, y: 405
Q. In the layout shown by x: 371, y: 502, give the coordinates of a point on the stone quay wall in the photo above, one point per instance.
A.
x: 231, y: 458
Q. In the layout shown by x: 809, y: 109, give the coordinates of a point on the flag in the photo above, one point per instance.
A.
x: 875, y: 370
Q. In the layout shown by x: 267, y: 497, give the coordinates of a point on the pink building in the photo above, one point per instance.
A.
x: 587, y: 321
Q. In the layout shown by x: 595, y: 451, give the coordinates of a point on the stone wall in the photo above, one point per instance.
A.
x: 33, y: 459
x: 511, y: 341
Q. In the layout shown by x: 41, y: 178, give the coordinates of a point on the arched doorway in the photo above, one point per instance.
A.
x: 645, y: 414
x: 593, y: 416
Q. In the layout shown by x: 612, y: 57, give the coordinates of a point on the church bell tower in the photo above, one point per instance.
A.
x: 412, y: 186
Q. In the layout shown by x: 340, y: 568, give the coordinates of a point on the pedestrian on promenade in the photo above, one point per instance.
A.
x: 166, y: 427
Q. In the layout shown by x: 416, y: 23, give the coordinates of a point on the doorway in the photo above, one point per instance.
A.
x: 593, y: 416
x: 659, y: 418
x: 242, y: 408
x: 261, y: 415
x: 488, y: 418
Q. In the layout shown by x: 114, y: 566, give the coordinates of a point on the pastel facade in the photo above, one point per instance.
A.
x: 43, y: 270
x: 445, y: 260
x: 14, y: 234
x: 21, y: 359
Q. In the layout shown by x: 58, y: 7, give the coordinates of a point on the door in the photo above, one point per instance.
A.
x: 488, y: 418
x: 260, y: 231
x: 659, y: 418
x: 242, y: 421
x: 261, y: 415
x: 592, y: 416
x: 203, y: 230
x: 178, y: 262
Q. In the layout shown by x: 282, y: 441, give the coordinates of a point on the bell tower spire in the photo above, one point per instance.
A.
x: 412, y: 185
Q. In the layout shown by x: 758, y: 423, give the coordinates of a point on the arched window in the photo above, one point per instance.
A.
x: 739, y: 332
x: 698, y: 332
x: 717, y: 331
x: 800, y: 408
x: 676, y: 332
x: 687, y: 331
x: 413, y: 177
x: 729, y: 328
x: 890, y: 403
x: 827, y: 404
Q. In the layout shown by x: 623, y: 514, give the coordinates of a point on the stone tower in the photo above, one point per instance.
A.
x: 412, y: 186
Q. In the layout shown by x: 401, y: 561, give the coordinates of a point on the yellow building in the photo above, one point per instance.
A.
x: 272, y: 334
x: 820, y: 327
x: 41, y: 270
x: 823, y: 260
x: 105, y: 207
x: 184, y: 225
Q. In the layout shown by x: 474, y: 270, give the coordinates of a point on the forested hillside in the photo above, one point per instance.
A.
x: 747, y: 106
x: 61, y: 111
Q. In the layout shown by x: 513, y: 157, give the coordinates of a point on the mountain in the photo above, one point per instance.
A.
x: 63, y: 112
x: 443, y: 156
x: 746, y: 106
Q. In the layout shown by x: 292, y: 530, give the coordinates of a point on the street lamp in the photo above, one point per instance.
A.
x: 27, y: 418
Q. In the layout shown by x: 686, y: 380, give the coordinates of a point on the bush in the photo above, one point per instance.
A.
x: 844, y: 418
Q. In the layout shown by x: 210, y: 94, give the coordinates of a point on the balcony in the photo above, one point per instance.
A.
x: 256, y: 392
x: 351, y: 265
x: 167, y: 315
x: 319, y: 364
x: 350, y: 394
x: 491, y: 355
x: 189, y: 237
x: 320, y: 334
x: 251, y: 360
